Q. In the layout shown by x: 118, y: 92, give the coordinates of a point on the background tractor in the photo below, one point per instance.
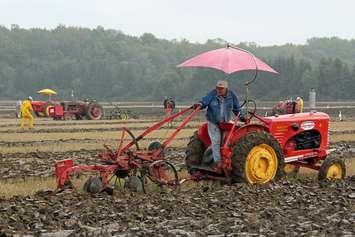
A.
x: 72, y: 109
x: 77, y: 109
x: 286, y: 107
x: 42, y: 108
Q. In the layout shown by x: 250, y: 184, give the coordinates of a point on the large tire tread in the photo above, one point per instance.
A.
x: 194, y: 151
x: 322, y: 173
x: 245, y: 145
x: 91, y: 116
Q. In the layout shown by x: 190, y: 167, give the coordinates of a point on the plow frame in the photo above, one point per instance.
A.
x: 126, y: 161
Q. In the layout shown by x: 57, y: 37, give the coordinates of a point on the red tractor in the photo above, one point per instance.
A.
x: 252, y: 152
x: 286, y: 107
x: 42, y: 108
x: 74, y: 109
x: 77, y: 109
x: 261, y: 151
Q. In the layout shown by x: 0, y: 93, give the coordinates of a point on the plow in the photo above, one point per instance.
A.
x: 127, y: 161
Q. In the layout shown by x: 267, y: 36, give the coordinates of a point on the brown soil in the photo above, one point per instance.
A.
x: 286, y: 208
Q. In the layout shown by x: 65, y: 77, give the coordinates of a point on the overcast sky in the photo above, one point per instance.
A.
x: 266, y: 22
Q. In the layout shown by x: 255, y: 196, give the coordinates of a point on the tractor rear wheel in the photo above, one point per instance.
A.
x: 332, y: 168
x: 194, y: 151
x: 94, y: 111
x: 257, y: 158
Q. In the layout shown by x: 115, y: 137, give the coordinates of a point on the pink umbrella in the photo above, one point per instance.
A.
x: 229, y: 60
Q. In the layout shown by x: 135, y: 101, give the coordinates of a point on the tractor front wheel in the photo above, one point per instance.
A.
x: 257, y: 158
x: 332, y: 169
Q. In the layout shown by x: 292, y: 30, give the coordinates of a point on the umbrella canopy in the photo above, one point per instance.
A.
x: 47, y: 92
x: 229, y: 60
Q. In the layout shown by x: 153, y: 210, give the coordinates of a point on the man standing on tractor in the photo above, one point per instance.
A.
x: 220, y: 103
x: 26, y: 112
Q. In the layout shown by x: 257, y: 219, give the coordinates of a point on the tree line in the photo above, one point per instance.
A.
x: 109, y: 65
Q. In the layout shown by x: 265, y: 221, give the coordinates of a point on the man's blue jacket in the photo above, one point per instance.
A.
x: 213, y: 103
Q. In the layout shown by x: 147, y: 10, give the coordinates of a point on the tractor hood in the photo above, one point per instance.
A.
x: 297, y: 117
x: 286, y: 126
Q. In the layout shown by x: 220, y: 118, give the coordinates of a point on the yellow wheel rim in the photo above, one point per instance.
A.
x: 261, y: 164
x: 124, y: 116
x: 334, y: 172
x: 47, y: 110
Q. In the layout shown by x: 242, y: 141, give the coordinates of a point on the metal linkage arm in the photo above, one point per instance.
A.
x: 156, y: 126
x: 182, y: 125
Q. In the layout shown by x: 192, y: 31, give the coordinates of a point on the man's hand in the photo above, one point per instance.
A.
x: 196, y: 105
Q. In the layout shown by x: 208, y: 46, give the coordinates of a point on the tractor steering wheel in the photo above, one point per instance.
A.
x: 250, y: 113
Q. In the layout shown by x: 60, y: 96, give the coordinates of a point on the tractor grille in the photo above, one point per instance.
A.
x: 280, y: 135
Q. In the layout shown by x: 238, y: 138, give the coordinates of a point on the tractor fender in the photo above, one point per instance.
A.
x: 203, y: 134
x: 245, y: 129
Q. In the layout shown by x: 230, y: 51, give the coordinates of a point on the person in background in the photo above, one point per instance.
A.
x: 26, y: 113
x: 169, y: 106
x: 299, y: 104
x: 18, y: 109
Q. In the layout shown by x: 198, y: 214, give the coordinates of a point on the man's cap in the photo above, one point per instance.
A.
x: 30, y: 98
x: 222, y: 83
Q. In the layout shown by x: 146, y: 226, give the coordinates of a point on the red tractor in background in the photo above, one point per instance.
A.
x: 77, y: 109
x: 288, y: 107
x: 60, y: 110
x: 42, y: 108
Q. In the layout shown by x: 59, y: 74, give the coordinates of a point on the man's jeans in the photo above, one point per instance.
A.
x: 215, y: 135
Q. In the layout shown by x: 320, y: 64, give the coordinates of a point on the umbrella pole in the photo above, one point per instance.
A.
x: 248, y: 83
x: 255, y: 75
